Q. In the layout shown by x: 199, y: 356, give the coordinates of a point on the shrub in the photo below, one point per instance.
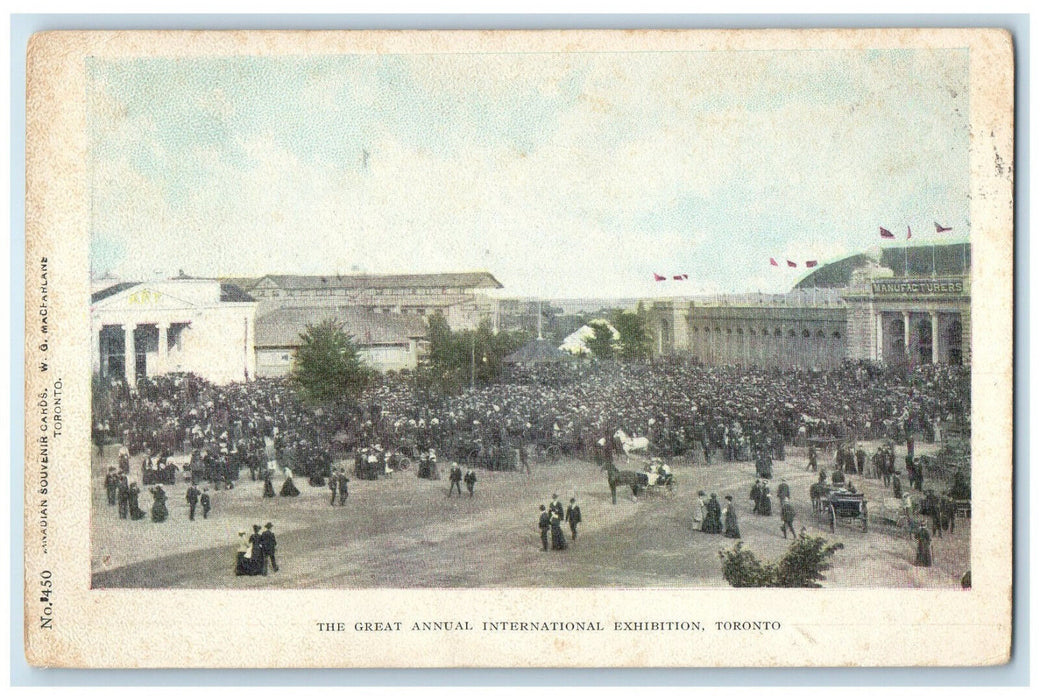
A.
x: 802, y: 566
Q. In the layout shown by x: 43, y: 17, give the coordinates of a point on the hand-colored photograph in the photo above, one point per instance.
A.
x: 685, y: 319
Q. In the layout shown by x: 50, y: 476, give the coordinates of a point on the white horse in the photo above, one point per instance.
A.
x: 631, y: 444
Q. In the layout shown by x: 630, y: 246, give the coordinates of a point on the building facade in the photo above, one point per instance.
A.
x: 790, y: 330
x: 460, y: 297
x: 384, y: 342
x: 202, y: 326
x: 863, y: 309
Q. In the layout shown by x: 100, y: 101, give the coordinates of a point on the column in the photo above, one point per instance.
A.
x: 879, y: 353
x: 906, y: 333
x: 129, y: 355
x: 95, y: 356
x: 164, y: 328
x: 935, y: 337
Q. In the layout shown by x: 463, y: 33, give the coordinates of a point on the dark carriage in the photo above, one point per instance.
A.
x: 834, y: 504
x: 547, y: 451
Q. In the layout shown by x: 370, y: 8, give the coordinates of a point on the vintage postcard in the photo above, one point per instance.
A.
x: 519, y: 349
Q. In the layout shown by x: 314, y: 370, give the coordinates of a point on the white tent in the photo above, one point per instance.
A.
x: 577, y: 342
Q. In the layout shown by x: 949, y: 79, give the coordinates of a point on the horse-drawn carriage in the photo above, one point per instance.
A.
x: 838, y: 503
x: 651, y: 482
x: 547, y: 450
x: 491, y: 457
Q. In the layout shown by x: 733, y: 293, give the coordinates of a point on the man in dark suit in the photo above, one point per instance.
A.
x: 544, y: 520
x: 192, y: 496
x: 786, y: 517
x: 333, y: 486
x: 573, y: 517
x: 123, y: 497
x: 267, y: 547
x: 204, y: 500
x: 343, y: 491
x: 455, y: 478
x: 111, y: 485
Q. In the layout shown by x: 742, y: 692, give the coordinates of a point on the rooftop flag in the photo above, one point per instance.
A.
x: 885, y: 233
x: 658, y: 278
x: 942, y: 229
x: 773, y: 262
x: 791, y: 263
x: 810, y: 263
x: 908, y: 233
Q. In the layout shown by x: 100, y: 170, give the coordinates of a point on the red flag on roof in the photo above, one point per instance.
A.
x: 885, y: 233
x: 658, y: 278
x: 908, y: 233
x: 942, y: 229
x: 773, y: 262
x: 678, y: 277
x: 791, y: 263
x: 685, y: 276
x: 810, y: 263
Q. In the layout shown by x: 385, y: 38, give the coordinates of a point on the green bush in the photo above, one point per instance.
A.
x: 802, y: 566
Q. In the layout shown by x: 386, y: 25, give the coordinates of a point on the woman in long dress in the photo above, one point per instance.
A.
x: 924, y: 547
x: 732, y: 528
x: 712, y: 524
x: 765, y: 503
x: 243, y: 555
x: 558, y: 540
x: 135, y: 504
x: 268, y: 486
x: 698, y: 510
x: 159, y: 510
x: 288, y: 487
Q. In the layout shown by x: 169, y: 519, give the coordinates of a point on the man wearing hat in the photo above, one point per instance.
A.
x: 267, y: 547
x: 204, y: 500
x: 192, y: 496
x: 455, y: 478
x: 343, y: 489
x: 111, y: 485
x: 544, y: 521
x: 786, y: 516
x: 573, y: 517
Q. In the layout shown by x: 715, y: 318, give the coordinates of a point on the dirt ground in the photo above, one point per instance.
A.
x: 404, y: 532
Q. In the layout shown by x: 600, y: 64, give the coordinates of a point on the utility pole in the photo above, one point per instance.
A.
x: 472, y: 359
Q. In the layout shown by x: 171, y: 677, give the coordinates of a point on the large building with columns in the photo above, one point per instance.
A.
x: 906, y: 306
x: 184, y: 324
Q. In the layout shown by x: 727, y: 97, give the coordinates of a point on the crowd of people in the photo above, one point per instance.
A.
x: 740, y: 413
x: 259, y: 429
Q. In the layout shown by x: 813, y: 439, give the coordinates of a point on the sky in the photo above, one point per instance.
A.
x: 564, y: 175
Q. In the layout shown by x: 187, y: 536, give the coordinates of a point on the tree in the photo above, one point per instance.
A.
x: 602, y: 343
x: 634, y: 342
x: 328, y: 367
x: 458, y: 358
x: 802, y: 566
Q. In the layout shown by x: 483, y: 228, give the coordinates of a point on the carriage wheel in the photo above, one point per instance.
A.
x: 404, y: 464
x: 553, y: 453
x: 863, y: 514
x: 473, y: 458
x: 834, y: 516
